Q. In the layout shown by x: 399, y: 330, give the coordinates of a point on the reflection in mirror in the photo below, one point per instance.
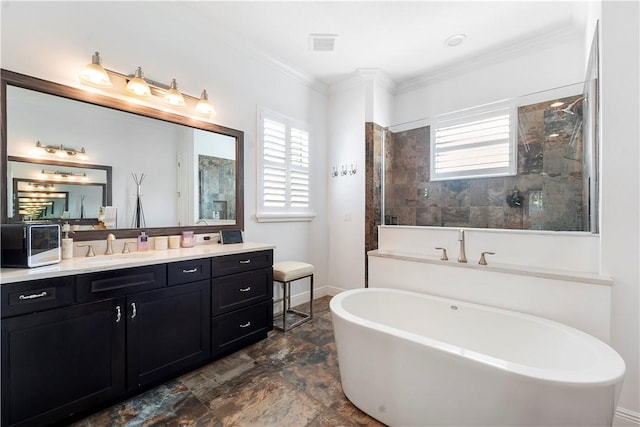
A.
x: 549, y: 191
x: 62, y: 190
x: 131, y: 139
x: 207, y: 174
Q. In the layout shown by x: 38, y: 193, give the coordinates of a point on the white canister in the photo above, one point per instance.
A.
x: 174, y: 242
x: 161, y: 243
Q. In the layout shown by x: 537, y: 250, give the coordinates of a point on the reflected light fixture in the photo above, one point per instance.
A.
x: 62, y: 151
x: 204, y: 106
x: 70, y: 176
x: 173, y: 96
x: 557, y: 104
x: 94, y: 74
x: 137, y: 85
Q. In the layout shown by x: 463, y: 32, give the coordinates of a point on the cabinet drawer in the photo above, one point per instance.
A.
x: 188, y: 271
x: 228, y: 264
x: 36, y: 295
x: 115, y: 283
x: 240, y: 290
x: 239, y: 328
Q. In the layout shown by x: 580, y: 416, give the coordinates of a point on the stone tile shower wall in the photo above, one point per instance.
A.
x: 549, y: 179
x: 217, y: 187
x: 373, y: 186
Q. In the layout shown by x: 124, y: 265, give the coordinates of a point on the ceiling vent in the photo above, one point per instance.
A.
x: 322, y: 42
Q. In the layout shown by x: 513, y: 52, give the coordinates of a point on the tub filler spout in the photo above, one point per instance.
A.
x: 462, y: 257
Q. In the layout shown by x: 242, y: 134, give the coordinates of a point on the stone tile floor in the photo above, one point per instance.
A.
x: 289, y: 379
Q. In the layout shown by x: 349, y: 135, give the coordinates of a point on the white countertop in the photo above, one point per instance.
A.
x: 80, y: 265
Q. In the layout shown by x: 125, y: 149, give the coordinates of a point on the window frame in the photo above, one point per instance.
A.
x: 287, y: 213
x: 469, y: 117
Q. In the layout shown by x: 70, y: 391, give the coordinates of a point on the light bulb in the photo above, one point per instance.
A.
x: 173, y: 96
x: 204, y: 106
x: 94, y: 74
x: 137, y: 86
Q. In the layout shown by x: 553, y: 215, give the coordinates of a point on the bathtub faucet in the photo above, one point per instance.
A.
x: 462, y: 257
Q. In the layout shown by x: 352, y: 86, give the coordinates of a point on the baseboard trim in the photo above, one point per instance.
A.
x: 625, y: 417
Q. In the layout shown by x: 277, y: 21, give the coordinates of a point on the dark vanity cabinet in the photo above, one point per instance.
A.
x: 73, y: 344
x: 60, y: 361
x: 242, y: 300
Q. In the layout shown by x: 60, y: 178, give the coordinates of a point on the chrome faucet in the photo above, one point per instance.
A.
x: 110, y: 239
x: 462, y: 257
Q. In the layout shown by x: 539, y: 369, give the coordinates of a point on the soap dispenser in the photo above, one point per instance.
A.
x: 143, y: 242
x: 67, y: 242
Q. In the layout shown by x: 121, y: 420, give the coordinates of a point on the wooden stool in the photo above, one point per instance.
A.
x: 286, y: 272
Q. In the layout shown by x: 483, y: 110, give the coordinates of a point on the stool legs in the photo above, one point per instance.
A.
x: 286, y: 305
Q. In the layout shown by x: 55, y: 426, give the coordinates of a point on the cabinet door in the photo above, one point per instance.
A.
x: 168, y: 332
x: 59, y: 362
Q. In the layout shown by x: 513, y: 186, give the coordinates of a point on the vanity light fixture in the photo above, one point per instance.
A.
x: 70, y: 176
x: 94, y: 74
x: 173, y: 96
x: 137, y: 85
x: 62, y: 151
x: 204, y: 106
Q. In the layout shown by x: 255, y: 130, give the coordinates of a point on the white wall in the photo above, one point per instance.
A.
x: 54, y: 41
x: 346, y: 193
x: 620, y: 201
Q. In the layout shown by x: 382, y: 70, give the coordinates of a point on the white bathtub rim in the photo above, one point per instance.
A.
x: 609, y: 373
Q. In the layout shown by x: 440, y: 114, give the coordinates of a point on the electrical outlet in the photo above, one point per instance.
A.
x: 207, y: 238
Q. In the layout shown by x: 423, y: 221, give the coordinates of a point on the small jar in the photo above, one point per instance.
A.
x: 187, y: 239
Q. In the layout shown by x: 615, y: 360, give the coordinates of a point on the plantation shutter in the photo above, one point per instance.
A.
x: 274, y: 164
x: 481, y: 146
x: 284, y: 170
x: 299, y: 173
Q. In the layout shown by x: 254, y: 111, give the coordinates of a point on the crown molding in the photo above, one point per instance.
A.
x: 521, y: 48
x: 194, y: 17
x: 362, y: 75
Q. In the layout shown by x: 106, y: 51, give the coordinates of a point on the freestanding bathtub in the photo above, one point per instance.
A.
x: 411, y: 359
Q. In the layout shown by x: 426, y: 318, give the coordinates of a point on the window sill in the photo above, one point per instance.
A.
x: 285, y: 217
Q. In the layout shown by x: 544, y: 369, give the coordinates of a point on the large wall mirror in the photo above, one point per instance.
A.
x: 70, y: 155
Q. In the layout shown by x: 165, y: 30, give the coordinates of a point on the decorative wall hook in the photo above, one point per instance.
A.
x: 334, y: 173
x: 352, y: 170
x: 343, y: 170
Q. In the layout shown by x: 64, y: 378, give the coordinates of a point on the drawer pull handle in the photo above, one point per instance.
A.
x: 245, y: 325
x: 133, y: 310
x: 247, y: 289
x: 246, y: 261
x: 118, y: 314
x: 32, y: 296
x: 192, y: 270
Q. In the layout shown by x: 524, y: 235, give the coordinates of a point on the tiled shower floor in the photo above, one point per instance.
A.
x: 289, y: 379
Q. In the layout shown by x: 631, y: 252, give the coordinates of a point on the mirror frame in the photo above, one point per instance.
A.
x: 33, y: 83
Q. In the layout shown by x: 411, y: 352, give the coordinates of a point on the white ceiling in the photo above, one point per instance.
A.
x: 405, y: 40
